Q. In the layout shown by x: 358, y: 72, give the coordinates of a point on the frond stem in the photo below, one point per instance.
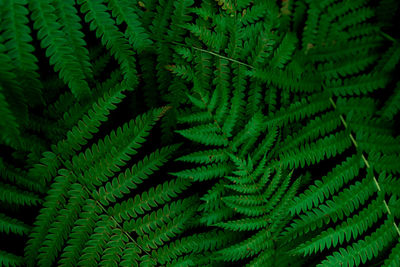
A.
x: 115, y: 221
x: 387, y: 36
x: 215, y: 54
x: 366, y: 164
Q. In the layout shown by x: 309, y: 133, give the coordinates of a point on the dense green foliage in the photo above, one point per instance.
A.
x: 199, y: 133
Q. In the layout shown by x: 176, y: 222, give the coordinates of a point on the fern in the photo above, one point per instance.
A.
x: 57, y: 221
x: 61, y: 53
x: 17, y: 36
x: 199, y: 133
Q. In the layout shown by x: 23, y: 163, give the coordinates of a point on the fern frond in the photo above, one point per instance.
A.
x: 286, y: 79
x: 9, y: 259
x: 236, y: 109
x: 196, y: 243
x: 328, y: 185
x: 18, y: 177
x: 12, y: 225
x: 383, y: 162
x: 342, y: 68
x: 129, y: 180
x: 284, y: 51
x: 77, y: 136
x: 249, y: 247
x: 14, y: 196
x: 159, y: 195
x: 394, y: 257
x: 336, y: 209
x: 357, y: 85
x: 61, y: 54
x: 101, y: 22
x: 313, y: 153
x: 346, y: 231
x: 59, y: 228
x: 365, y: 249
x: 208, y: 134
x: 345, y: 49
x: 247, y: 224
x: 204, y: 173
x: 56, y: 196
x: 80, y: 232
x: 129, y: 138
x: 299, y: 110
x: 135, y: 33
x: 18, y: 43
x: 151, y: 222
